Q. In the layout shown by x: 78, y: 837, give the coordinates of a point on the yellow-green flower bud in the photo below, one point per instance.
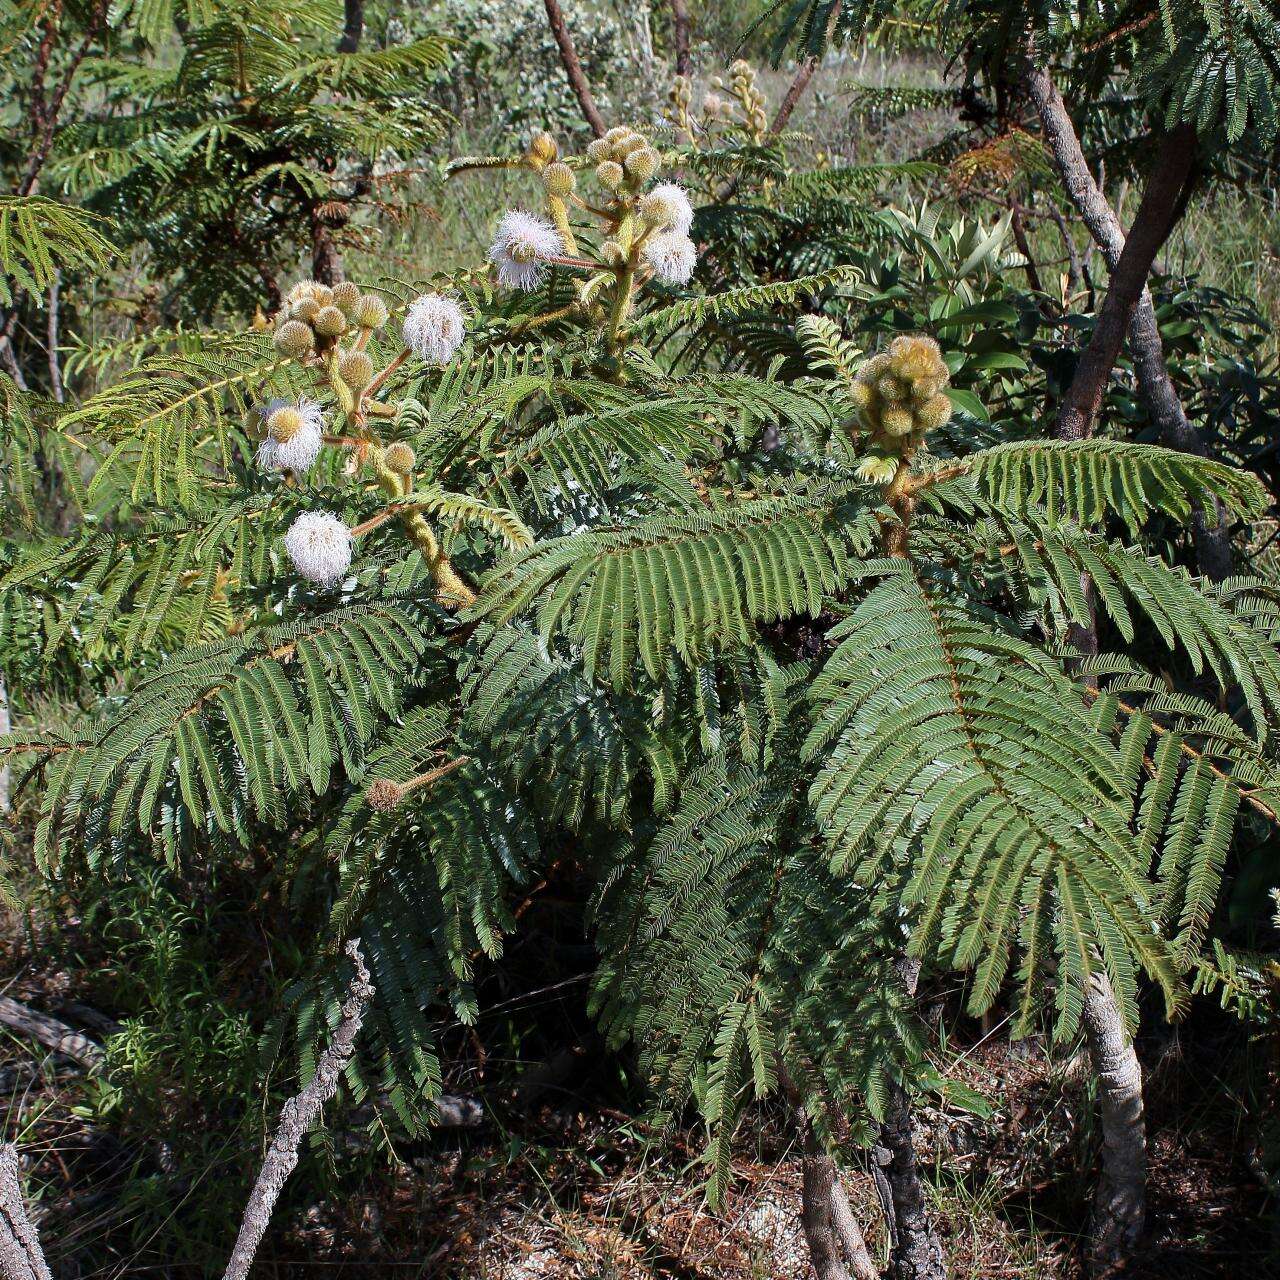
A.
x: 616, y: 134
x: 543, y: 147
x: 293, y: 338
x: 329, y: 322
x: 370, y: 312
x: 934, y: 413
x: 610, y: 175
x: 284, y: 424
x: 345, y: 296
x: 558, y: 179
x: 891, y: 389
x: 355, y: 368
x: 611, y: 252
x: 399, y: 458
x: 641, y: 165
x: 598, y: 150
x: 304, y: 308
x: 896, y: 421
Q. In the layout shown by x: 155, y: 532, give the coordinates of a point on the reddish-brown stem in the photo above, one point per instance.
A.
x: 573, y: 69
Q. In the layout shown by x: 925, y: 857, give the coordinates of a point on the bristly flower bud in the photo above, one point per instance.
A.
x: 899, y: 397
x: 329, y: 322
x: 543, y: 146
x: 370, y: 312
x: 598, y: 150
x: 355, y: 368
x: 642, y: 164
x: 295, y: 339
x: 383, y: 795
x: 345, y: 296
x: 558, y: 179
x: 610, y: 175
x: 611, y: 252
x: 399, y: 457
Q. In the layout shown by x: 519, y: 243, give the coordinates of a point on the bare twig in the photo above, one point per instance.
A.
x: 680, y: 26
x: 296, y: 1117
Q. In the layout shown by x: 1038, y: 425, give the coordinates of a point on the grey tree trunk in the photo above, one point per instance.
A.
x: 1211, y: 535
x: 1120, y: 1202
x: 815, y: 1209
x: 20, y: 1255
x: 861, y: 1266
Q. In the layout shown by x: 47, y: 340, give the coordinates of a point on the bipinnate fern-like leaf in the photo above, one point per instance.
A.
x: 938, y: 729
x: 1083, y: 480
x: 39, y: 236
x: 226, y: 731
x: 683, y: 582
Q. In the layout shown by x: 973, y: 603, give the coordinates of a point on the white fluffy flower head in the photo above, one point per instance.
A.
x: 668, y: 208
x: 434, y: 328
x: 297, y: 447
x: 672, y: 255
x: 320, y: 547
x: 520, y: 248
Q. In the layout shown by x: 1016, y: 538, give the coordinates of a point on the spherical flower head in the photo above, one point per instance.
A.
x: 609, y: 173
x: 295, y: 435
x: 294, y: 339
x: 558, y: 179
x: 400, y: 458
x: 345, y: 296
x: 672, y: 256
x: 383, y: 795
x: 308, y: 289
x: 355, y: 368
x: 712, y: 105
x: 521, y: 246
x: 319, y: 545
x: 598, y: 150
x: 641, y: 164
x: 329, y: 322
x: 934, y: 413
x: 667, y: 207
x: 435, y: 326
x: 370, y: 312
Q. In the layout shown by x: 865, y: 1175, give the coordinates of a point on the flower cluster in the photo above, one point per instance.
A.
x: 644, y: 231
x: 315, y: 316
x: 900, y: 396
x: 313, y: 323
x: 742, y: 83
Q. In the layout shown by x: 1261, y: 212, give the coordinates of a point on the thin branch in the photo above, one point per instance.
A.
x: 573, y: 69
x: 296, y: 1117
x: 680, y: 32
